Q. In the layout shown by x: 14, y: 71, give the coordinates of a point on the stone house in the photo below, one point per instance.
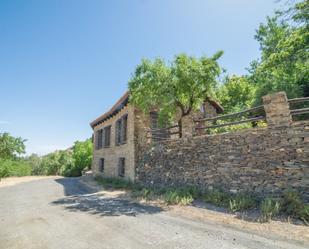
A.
x: 120, y: 134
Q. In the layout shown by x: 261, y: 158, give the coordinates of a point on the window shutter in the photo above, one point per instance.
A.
x: 124, y: 128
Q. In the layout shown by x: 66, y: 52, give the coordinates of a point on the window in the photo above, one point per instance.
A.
x: 121, y: 130
x: 99, y: 138
x: 101, y: 165
x: 121, y: 167
x: 107, y: 136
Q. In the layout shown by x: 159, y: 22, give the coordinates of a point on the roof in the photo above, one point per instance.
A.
x: 123, y: 101
x: 216, y: 105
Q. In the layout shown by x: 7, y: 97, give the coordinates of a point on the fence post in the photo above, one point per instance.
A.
x: 187, y: 126
x: 277, y: 109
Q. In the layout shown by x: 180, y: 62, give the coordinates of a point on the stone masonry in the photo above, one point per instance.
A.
x: 265, y: 161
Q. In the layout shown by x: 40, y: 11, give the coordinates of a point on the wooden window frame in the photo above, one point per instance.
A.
x: 107, y: 136
x: 121, y: 167
x: 121, y: 130
x: 102, y: 165
x: 99, y: 138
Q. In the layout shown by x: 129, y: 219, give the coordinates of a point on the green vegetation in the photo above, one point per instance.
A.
x: 179, y: 87
x: 115, y: 183
x: 183, y: 85
x: 10, y: 150
x: 269, y: 209
x: 217, y: 197
x: 241, y: 201
x: 66, y: 163
x: 9, y: 167
x: 282, y: 66
x: 290, y: 204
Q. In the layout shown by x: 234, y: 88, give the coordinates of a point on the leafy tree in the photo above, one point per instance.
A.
x: 181, y: 85
x: 236, y: 93
x: 82, y: 154
x: 284, y: 62
x: 11, y: 147
x: 36, y: 164
x: 14, y: 167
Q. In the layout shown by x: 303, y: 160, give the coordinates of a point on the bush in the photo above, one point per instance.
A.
x: 217, y: 197
x: 241, y: 202
x: 116, y: 183
x: 292, y: 204
x: 304, y: 214
x: 269, y: 208
x: 14, y: 168
x: 182, y: 196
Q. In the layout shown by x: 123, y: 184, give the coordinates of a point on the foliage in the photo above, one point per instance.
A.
x: 292, y: 204
x: 237, y: 127
x: 217, y: 197
x: 269, y: 209
x: 182, y: 85
x: 182, y: 196
x: 10, y: 167
x: 304, y: 214
x: 284, y: 62
x: 236, y: 93
x: 82, y: 154
x: 241, y: 201
x: 116, y: 183
x: 11, y: 147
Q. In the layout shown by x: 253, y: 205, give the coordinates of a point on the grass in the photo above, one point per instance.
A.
x: 269, y: 209
x: 115, y: 183
x: 290, y: 204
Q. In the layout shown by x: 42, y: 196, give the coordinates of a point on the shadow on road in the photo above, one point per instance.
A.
x: 72, y: 186
x: 80, y: 198
x: 100, y: 205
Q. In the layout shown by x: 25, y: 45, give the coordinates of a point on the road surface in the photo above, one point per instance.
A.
x: 61, y: 213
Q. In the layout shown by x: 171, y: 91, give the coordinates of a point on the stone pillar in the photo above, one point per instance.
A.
x: 277, y: 109
x: 187, y: 128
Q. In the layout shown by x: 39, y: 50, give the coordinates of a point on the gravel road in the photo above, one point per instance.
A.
x: 61, y: 213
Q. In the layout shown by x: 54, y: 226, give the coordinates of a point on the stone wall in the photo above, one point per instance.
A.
x: 265, y: 161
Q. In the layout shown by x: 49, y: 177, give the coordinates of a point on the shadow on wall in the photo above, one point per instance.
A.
x: 81, y: 199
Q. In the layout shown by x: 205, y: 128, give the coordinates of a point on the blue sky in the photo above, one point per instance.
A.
x: 65, y: 62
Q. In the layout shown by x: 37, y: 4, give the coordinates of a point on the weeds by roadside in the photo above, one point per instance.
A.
x: 290, y: 204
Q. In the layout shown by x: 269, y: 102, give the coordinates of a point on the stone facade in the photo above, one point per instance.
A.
x: 265, y: 161
x: 112, y: 154
x: 136, y: 142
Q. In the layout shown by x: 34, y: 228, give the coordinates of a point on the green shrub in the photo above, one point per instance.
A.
x: 304, y: 214
x: 14, y: 168
x: 217, y: 197
x: 116, y: 183
x: 241, y: 202
x: 292, y: 204
x: 269, y: 208
x: 182, y: 196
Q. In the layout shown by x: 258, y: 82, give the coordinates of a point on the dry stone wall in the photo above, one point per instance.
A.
x: 265, y: 161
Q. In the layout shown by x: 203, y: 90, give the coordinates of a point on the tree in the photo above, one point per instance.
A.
x: 182, y: 85
x: 236, y: 93
x: 11, y: 147
x: 82, y: 154
x: 284, y: 45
